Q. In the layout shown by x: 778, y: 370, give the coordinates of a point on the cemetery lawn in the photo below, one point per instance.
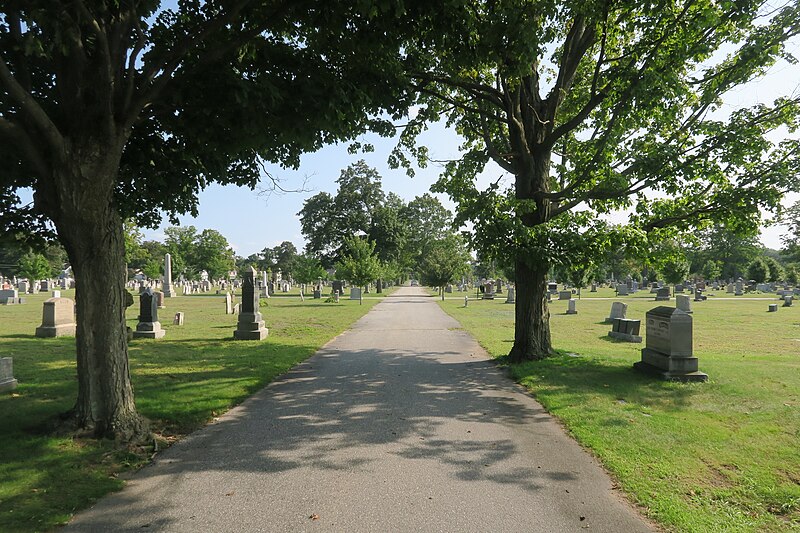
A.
x: 718, y: 456
x: 195, y: 373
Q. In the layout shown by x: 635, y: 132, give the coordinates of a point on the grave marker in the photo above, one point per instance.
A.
x: 148, y: 327
x: 58, y: 318
x: 669, y: 354
x: 626, y: 329
x: 250, y: 325
x: 7, y: 381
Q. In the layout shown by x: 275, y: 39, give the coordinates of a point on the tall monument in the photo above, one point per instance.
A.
x: 250, y: 326
x: 167, y: 288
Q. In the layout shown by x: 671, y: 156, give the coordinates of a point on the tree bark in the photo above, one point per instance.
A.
x: 532, y: 314
x: 91, y: 230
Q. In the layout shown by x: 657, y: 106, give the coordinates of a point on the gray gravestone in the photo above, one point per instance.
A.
x: 7, y: 381
x: 618, y: 310
x: 662, y: 295
x: 178, y: 320
x: 787, y: 301
x: 148, y: 327
x: 250, y: 326
x: 625, y: 329
x: 739, y: 288
x: 683, y: 303
x: 669, y: 354
x: 355, y: 293
x: 622, y: 289
x: 58, y: 318
x: 572, y: 307
x: 593, y: 288
x: 488, y: 290
x: 337, y: 287
x: 159, y: 296
x: 228, y: 303
x: 565, y: 295
x: 773, y: 308
x: 512, y: 295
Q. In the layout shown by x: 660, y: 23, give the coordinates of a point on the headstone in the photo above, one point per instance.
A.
x: 622, y: 289
x: 178, y: 320
x: 250, y: 325
x: 168, y: 289
x: 679, y: 288
x: 23, y: 286
x: 669, y: 353
x: 498, y: 286
x: 448, y: 288
x: 552, y: 288
x: 773, y: 308
x: 662, y: 295
x: 594, y: 288
x: 488, y: 290
x: 511, y: 297
x: 683, y: 303
x: 699, y: 296
x: 9, y: 296
x: 58, y: 318
x: 787, y: 301
x: 572, y: 307
x: 729, y: 288
x: 148, y: 327
x: 618, y: 310
x: 739, y: 288
x: 625, y: 329
x: 159, y: 299
x: 317, y: 294
x: 228, y: 303
x: 565, y: 295
x: 336, y: 294
x: 7, y: 381
x: 55, y: 294
x: 355, y: 293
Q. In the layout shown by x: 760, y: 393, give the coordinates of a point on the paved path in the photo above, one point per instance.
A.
x: 400, y: 424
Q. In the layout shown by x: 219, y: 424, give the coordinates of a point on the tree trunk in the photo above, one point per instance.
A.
x: 92, y: 232
x: 532, y: 314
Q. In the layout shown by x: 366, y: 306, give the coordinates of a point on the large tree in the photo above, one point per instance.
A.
x: 111, y: 110
x: 596, y: 106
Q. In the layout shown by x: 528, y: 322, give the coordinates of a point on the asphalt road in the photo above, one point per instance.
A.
x: 400, y: 424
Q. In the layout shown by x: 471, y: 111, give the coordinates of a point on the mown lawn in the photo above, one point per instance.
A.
x: 718, y: 456
x: 193, y: 374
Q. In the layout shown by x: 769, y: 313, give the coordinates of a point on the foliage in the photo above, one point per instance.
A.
x: 326, y: 220
x: 758, y: 270
x: 732, y: 246
x: 607, y: 107
x: 775, y: 270
x: 308, y: 269
x: 444, y: 261
x: 212, y: 253
x: 675, y: 269
x: 279, y: 258
x: 34, y: 267
x: 792, y: 272
x: 791, y: 239
x: 359, y: 264
x: 711, y: 270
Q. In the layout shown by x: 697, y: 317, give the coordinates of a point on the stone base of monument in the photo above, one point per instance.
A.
x: 64, y: 330
x: 488, y: 296
x: 250, y: 327
x: 148, y: 330
x: 670, y: 368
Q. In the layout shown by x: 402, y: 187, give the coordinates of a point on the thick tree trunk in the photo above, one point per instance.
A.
x: 532, y: 314
x: 92, y: 233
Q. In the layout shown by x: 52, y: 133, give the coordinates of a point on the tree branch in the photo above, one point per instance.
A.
x: 31, y: 108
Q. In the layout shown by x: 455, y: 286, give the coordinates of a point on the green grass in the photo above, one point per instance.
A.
x: 194, y: 373
x: 718, y: 456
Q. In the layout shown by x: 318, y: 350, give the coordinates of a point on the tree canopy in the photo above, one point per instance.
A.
x: 602, y: 106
